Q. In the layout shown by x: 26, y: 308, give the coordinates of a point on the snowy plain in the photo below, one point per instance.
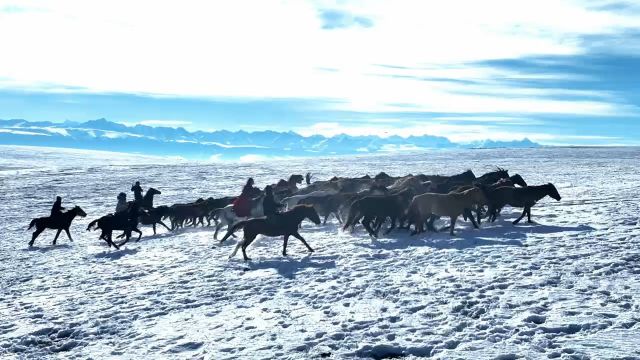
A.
x: 567, y: 287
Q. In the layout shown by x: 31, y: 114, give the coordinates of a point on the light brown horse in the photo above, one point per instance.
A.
x: 423, y: 207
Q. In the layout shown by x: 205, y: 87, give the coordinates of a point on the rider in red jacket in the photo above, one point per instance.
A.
x: 242, y: 205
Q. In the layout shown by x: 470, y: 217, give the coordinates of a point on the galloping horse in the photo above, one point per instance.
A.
x: 126, y: 221
x: 492, y: 177
x: 286, y: 188
x: 524, y: 197
x: 147, y: 199
x: 226, y: 215
x: 286, y: 224
x: 59, y: 222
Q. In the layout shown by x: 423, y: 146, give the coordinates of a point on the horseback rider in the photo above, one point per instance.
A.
x: 57, y: 208
x: 122, y: 203
x: 242, y: 205
x: 269, y: 204
x: 137, y: 192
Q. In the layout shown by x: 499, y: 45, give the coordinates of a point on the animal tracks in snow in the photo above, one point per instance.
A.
x: 565, y: 287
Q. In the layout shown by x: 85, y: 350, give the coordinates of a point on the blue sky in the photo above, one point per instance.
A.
x: 558, y: 72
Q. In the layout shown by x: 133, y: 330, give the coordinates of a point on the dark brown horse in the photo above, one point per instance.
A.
x: 492, y: 177
x: 126, y: 221
x: 147, y: 199
x: 285, y: 224
x: 524, y: 197
x: 378, y: 208
x: 59, y: 222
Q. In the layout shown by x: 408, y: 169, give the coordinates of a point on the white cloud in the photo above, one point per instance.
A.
x: 277, y: 49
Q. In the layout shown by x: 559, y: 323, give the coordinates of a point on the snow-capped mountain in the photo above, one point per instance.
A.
x: 102, y: 134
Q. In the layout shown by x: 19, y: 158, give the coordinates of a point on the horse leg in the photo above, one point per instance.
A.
x: 365, y: 222
x: 325, y: 219
x: 299, y: 237
x: 524, y: 212
x: 215, y: 233
x: 35, y: 235
x: 377, y: 224
x: 246, y: 243
x: 473, y: 220
x: 453, y: 224
x: 393, y: 225
x: 128, y: 237
x: 163, y: 224
x: 430, y: 222
x: 417, y: 224
x: 139, y: 233
x: 338, y: 217
x: 111, y: 242
x: 104, y: 237
x: 56, y: 238
x: 68, y: 234
x: 529, y: 215
x: 284, y: 245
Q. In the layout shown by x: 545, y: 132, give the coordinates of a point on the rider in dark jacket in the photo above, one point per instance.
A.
x: 57, y: 208
x: 137, y: 191
x: 269, y: 204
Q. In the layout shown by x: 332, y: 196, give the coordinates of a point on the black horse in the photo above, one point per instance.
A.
x: 147, y: 199
x: 126, y: 221
x: 152, y: 217
x: 524, y: 197
x: 492, y: 177
x: 59, y: 222
x: 285, y: 224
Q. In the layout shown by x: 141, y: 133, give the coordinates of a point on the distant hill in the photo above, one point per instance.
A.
x: 102, y: 134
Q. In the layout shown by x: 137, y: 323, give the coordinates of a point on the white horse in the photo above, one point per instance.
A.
x: 292, y: 201
x: 226, y: 215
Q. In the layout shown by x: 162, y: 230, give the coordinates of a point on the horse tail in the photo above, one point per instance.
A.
x: 32, y: 223
x: 91, y: 224
x: 353, y: 212
x: 237, y: 226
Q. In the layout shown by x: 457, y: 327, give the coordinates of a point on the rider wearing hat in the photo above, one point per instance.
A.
x: 137, y: 192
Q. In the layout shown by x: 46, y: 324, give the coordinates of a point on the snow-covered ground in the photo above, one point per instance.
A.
x: 567, y: 287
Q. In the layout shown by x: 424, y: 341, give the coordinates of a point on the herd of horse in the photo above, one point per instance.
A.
x: 411, y: 200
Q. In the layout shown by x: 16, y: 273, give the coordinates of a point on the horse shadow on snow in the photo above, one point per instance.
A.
x: 500, y: 233
x: 288, y: 267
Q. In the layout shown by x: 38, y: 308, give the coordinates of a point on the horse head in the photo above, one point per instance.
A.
x: 501, y: 173
x: 78, y: 210
x: 518, y: 180
x: 152, y: 192
x: 296, y: 179
x: 310, y: 213
x: 553, y: 192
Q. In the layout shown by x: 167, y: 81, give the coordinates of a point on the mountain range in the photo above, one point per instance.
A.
x: 102, y: 134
